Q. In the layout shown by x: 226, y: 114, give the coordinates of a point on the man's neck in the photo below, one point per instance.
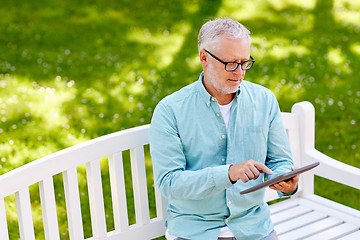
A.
x: 222, y: 99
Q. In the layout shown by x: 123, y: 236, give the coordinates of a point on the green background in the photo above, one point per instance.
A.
x: 71, y: 71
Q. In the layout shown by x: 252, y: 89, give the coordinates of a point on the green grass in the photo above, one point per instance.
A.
x: 71, y: 71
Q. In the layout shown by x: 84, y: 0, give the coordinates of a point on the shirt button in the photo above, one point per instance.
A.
x: 223, y: 160
x: 226, y: 220
x: 218, y: 115
x: 212, y: 99
x: 223, y: 136
x: 229, y: 202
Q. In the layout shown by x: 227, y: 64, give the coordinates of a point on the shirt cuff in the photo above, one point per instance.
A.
x: 221, y: 177
x: 281, y: 194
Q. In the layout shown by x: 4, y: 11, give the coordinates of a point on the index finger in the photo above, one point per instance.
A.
x: 262, y: 168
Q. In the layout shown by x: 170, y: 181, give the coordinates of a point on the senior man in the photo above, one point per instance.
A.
x: 214, y: 138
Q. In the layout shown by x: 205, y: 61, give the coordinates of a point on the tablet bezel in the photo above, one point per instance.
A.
x: 282, y: 177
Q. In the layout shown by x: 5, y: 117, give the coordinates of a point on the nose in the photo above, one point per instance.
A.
x: 239, y: 71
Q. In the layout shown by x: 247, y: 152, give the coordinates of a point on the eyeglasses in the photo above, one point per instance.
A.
x: 232, y: 66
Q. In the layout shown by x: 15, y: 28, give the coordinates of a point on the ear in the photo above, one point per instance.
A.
x: 203, y: 58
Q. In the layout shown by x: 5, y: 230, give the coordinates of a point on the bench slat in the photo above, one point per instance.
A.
x: 4, y: 234
x: 97, y: 210
x: 48, y: 206
x: 145, y: 232
x: 283, y: 206
x: 291, y: 124
x: 73, y: 208
x: 139, y: 185
x: 23, y: 206
x: 290, y: 213
x: 332, y: 208
x: 72, y: 157
x: 312, y: 229
x: 161, y: 205
x: 118, y: 192
x: 298, y: 222
x: 335, y: 233
x: 352, y: 236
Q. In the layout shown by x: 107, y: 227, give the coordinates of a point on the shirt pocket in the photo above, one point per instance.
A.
x: 256, y: 138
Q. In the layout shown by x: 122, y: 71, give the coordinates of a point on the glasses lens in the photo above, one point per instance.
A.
x: 231, y: 66
x: 247, y: 65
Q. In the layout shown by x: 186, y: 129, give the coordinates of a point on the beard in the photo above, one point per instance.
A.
x: 221, y: 87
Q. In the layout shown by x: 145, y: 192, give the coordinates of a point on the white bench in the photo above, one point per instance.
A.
x: 305, y: 215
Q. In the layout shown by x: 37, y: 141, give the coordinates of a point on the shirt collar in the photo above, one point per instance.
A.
x: 206, y: 96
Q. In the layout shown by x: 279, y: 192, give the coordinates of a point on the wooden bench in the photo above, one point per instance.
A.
x: 305, y: 215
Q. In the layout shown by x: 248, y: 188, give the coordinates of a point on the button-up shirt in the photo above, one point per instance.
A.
x: 192, y: 151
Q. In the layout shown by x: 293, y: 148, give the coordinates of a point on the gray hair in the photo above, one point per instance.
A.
x: 212, y: 30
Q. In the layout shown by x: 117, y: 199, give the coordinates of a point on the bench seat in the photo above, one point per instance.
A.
x: 314, y: 217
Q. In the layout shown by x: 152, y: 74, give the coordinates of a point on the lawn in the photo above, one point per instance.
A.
x: 71, y: 71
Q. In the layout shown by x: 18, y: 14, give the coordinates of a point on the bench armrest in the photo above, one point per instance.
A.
x: 333, y: 169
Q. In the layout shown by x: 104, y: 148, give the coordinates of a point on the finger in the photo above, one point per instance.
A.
x: 249, y: 174
x: 277, y: 185
x: 281, y: 186
x: 244, y: 178
x: 262, y: 168
x: 284, y: 184
x: 254, y: 172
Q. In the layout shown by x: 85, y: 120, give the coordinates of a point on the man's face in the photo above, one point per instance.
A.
x: 217, y: 81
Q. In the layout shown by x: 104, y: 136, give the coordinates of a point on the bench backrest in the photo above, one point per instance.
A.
x: 91, y: 155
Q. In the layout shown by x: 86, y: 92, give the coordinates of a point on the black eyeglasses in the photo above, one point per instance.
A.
x: 232, y: 66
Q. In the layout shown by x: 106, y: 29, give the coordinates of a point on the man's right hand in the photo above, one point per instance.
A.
x: 247, y: 170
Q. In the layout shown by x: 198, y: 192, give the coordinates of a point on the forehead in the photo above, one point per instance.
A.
x: 233, y: 48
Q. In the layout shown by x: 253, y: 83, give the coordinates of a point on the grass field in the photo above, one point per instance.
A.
x: 71, y: 71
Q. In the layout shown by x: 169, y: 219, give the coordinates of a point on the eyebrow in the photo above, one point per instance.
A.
x: 241, y: 60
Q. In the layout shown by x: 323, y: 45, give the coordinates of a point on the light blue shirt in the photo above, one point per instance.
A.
x: 192, y: 151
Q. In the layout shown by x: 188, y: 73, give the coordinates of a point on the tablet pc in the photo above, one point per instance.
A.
x: 282, y: 177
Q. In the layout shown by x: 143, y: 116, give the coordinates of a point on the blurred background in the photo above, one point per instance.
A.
x: 75, y: 70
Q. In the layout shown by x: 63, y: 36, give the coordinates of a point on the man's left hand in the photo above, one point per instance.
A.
x: 288, y: 186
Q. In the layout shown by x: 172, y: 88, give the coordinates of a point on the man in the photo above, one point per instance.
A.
x: 214, y: 138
